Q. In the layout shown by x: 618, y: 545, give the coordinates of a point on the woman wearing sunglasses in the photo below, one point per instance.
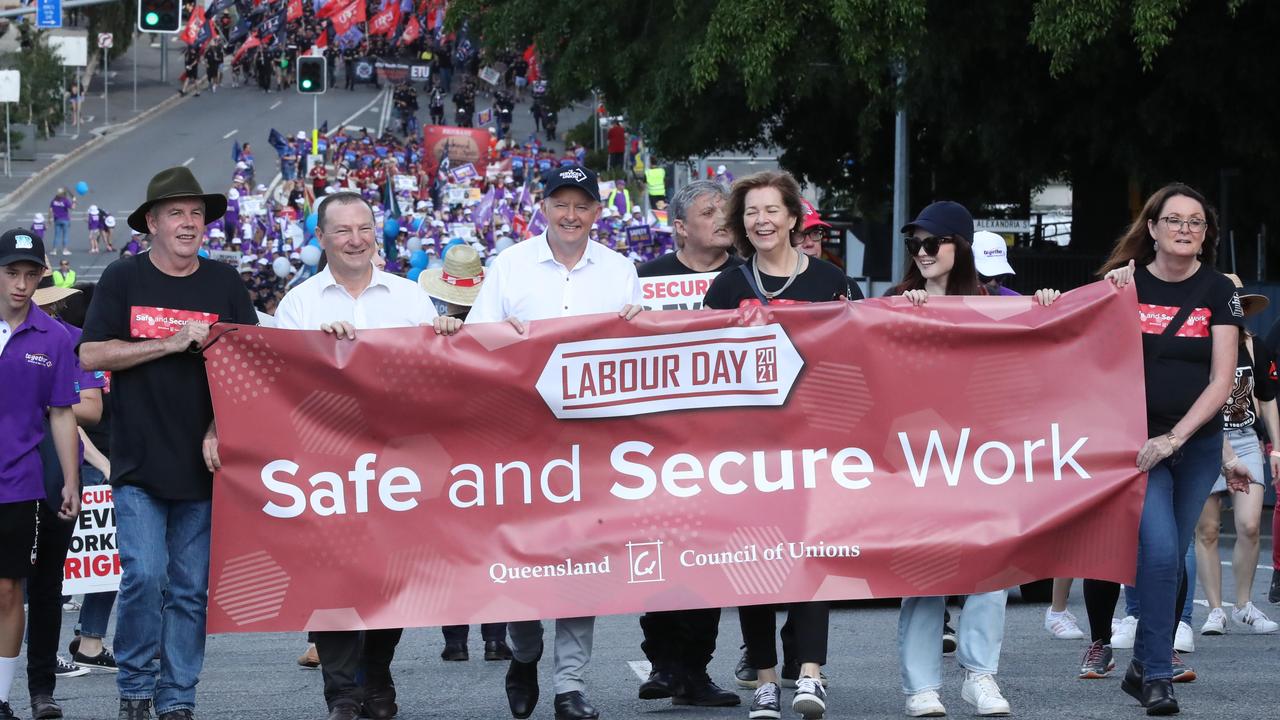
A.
x: 940, y: 243
x: 763, y: 211
x: 1190, y: 317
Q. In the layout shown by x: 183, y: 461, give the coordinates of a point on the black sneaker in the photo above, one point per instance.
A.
x: 791, y: 673
x: 181, y: 713
x: 948, y: 639
x: 744, y: 674
x: 810, y: 699
x: 1274, y: 595
x: 102, y: 661
x: 67, y: 669
x: 764, y: 705
x: 701, y: 691
x: 1098, y: 662
x: 44, y: 707
x: 135, y: 710
x: 6, y: 712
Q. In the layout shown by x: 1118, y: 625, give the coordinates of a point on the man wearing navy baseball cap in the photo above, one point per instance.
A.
x: 38, y: 365
x: 556, y: 274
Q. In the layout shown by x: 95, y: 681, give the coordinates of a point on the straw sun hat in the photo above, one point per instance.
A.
x: 458, y: 280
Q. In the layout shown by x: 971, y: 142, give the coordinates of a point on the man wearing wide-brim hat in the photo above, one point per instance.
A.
x: 148, y: 323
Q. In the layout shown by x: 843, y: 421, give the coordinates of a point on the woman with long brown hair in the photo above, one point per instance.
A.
x: 1190, y: 318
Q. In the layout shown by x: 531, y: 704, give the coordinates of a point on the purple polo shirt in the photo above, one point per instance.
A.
x: 39, y: 370
x: 37, y: 229
x: 60, y: 209
x: 94, y: 220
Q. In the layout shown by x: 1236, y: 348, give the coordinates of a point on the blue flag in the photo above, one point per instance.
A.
x: 218, y: 6
x: 236, y: 152
x: 240, y: 31
x: 277, y: 141
x: 272, y: 25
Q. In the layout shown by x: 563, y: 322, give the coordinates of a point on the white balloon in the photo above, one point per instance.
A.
x: 281, y: 267
x: 310, y: 255
x: 502, y: 244
x: 415, y: 244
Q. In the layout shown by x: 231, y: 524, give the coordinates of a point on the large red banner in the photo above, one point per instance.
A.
x: 684, y: 459
x: 461, y: 145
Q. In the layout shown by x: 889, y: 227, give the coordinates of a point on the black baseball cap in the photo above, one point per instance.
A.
x: 571, y: 176
x: 21, y: 245
x: 944, y: 217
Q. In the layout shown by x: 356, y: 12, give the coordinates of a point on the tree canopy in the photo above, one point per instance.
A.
x: 1115, y: 96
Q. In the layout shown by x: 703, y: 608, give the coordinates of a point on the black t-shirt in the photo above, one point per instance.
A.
x: 1255, y: 377
x: 821, y: 281
x: 162, y: 409
x: 1177, y: 378
x: 669, y: 264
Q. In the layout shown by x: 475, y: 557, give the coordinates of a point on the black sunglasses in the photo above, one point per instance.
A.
x: 930, y: 244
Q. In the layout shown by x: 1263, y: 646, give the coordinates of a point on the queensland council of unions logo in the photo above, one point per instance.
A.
x: 622, y: 377
x: 645, y: 561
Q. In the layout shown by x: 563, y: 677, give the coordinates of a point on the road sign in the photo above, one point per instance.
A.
x: 104, y: 40
x: 71, y: 48
x: 1002, y: 225
x: 10, y: 81
x: 49, y: 13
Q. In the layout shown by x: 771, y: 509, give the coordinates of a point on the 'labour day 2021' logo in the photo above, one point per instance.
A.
x: 621, y: 377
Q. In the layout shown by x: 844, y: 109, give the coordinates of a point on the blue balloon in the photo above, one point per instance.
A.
x: 418, y: 259
x: 203, y: 253
x: 391, y: 228
x: 82, y: 187
x: 314, y: 241
x: 414, y: 273
x: 312, y: 219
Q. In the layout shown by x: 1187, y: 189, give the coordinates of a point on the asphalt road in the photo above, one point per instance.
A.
x: 255, y: 677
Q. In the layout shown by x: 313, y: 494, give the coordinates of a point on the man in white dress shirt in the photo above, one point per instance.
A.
x: 351, y: 293
x: 558, y: 273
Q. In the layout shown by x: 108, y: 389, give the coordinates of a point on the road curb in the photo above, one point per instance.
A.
x: 108, y: 133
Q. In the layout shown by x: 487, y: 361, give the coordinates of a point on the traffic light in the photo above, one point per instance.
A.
x: 311, y: 74
x: 160, y: 16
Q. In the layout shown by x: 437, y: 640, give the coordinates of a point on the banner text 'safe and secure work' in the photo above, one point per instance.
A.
x: 680, y: 460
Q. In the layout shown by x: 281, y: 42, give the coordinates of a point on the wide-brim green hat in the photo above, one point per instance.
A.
x: 176, y: 182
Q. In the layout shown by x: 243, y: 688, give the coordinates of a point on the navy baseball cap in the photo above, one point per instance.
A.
x: 21, y: 245
x: 571, y: 176
x: 944, y: 217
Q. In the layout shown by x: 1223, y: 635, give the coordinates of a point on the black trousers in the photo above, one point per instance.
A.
x: 680, y: 641
x: 44, y: 597
x: 457, y: 634
x: 810, y: 621
x: 345, y: 656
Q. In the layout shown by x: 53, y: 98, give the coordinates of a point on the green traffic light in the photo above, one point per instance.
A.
x: 153, y: 18
x: 306, y: 84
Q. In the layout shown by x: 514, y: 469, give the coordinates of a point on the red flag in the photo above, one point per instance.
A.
x: 412, y: 30
x: 385, y: 22
x: 192, y: 29
x: 250, y: 43
x: 350, y: 15
x: 330, y: 8
x: 295, y: 10
x: 531, y: 57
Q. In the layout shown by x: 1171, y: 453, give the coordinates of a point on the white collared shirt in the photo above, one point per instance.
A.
x: 527, y: 282
x: 389, y: 301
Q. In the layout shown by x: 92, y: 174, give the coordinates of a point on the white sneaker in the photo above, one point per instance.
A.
x: 925, y: 704
x: 1215, y: 624
x: 1184, y: 640
x: 981, y: 691
x: 1253, y: 618
x: 1062, y: 625
x: 1123, y: 633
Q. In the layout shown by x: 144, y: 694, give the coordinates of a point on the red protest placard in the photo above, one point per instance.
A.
x: 684, y: 459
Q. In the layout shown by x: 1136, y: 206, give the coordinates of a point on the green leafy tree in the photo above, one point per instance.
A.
x: 40, y: 91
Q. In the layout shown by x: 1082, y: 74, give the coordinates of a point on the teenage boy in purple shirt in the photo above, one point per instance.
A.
x: 37, y: 362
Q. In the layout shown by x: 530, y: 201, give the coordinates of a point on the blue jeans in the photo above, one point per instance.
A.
x: 160, y: 620
x: 978, y: 639
x: 1131, y: 595
x: 95, y: 613
x: 60, y: 233
x: 1176, y: 492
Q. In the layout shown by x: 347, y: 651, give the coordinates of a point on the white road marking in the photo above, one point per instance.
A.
x: 367, y: 108
x: 641, y: 668
x: 188, y: 161
x: 277, y: 104
x: 228, y: 135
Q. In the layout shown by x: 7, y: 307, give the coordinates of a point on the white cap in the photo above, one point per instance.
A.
x: 263, y: 261
x: 261, y: 187
x: 242, y: 165
x: 39, y: 217
x: 216, y: 233
x: 635, y: 210
x: 720, y: 169
x: 991, y: 254
x: 301, y: 135
x: 233, y: 194
x: 93, y: 208
x: 295, y: 255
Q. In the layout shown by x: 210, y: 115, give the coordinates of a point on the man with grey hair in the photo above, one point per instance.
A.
x: 679, y: 643
x: 703, y: 243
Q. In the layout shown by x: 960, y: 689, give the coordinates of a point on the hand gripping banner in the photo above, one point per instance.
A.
x: 681, y: 460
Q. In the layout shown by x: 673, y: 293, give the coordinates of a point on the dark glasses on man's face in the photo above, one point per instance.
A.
x: 930, y: 244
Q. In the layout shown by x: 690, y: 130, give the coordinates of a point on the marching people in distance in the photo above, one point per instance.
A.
x: 1190, y: 317
x: 762, y: 213
x: 164, y: 444
x: 558, y: 273
x: 940, y: 244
